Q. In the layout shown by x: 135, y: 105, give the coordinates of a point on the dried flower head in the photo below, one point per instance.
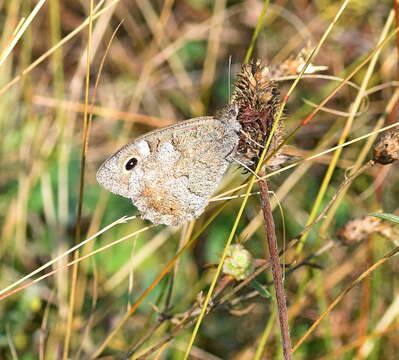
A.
x: 239, y: 262
x: 386, y: 149
x: 257, y: 99
x: 294, y: 64
x: 360, y: 229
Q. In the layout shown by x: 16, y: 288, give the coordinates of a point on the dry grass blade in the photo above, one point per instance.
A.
x: 75, y: 261
x: 70, y: 36
x: 86, y: 129
x: 103, y: 111
x: 3, y: 292
x: 20, y: 31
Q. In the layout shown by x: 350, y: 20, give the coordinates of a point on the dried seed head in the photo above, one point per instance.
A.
x: 359, y: 229
x: 386, y: 149
x: 257, y: 99
x: 239, y: 262
x: 294, y: 64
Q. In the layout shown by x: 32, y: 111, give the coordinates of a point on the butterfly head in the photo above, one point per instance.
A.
x: 116, y: 173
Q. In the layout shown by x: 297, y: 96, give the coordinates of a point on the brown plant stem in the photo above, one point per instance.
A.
x: 276, y: 269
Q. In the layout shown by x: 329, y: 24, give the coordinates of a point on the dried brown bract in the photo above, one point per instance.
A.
x: 360, y: 229
x: 386, y: 149
x: 294, y: 64
x: 257, y: 99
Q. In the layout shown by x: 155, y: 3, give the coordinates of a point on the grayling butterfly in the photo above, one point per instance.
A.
x: 171, y: 173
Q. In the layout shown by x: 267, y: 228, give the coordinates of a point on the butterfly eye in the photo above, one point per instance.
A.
x: 131, y: 163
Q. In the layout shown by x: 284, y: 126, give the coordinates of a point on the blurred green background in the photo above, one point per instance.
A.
x: 169, y: 61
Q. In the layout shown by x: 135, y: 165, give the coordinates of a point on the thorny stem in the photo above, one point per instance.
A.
x: 276, y: 269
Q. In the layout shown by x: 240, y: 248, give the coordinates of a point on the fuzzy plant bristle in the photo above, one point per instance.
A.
x: 256, y: 96
x: 359, y: 229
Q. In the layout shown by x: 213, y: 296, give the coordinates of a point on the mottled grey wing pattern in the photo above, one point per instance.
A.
x: 178, y: 169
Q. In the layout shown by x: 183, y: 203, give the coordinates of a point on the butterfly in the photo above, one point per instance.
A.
x: 171, y: 173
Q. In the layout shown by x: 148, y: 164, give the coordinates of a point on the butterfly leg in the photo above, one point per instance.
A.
x: 246, y: 168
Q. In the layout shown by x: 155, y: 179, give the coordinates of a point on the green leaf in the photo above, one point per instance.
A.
x: 390, y: 217
x: 260, y: 289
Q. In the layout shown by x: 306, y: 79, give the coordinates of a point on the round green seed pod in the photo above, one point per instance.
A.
x: 239, y: 262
